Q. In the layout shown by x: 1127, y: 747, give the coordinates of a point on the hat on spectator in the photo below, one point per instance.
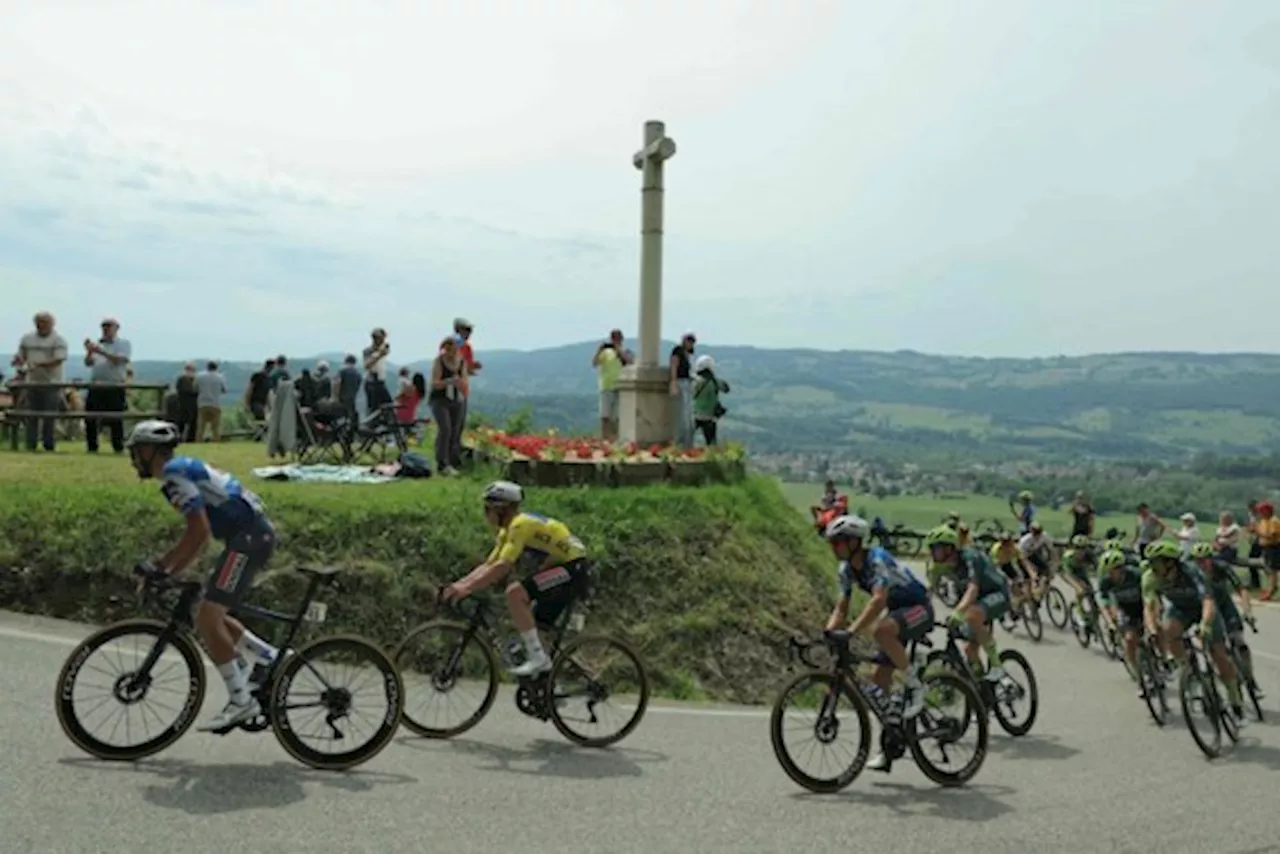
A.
x: 110, y: 321
x: 461, y: 323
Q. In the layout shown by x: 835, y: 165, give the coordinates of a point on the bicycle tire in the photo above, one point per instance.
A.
x: 491, y: 692
x: 911, y: 544
x: 64, y: 703
x: 1229, y: 724
x: 1213, y: 714
x: 1056, y: 603
x: 1080, y: 629
x: 1032, y: 622
x: 1033, y: 692
x: 1154, y: 691
x: 1254, y: 700
x: 1107, y: 640
x: 841, y: 781
x: 392, y: 684
x: 564, y: 659
x: 947, y: 592
x: 977, y: 714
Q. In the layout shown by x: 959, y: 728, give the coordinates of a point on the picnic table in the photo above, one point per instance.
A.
x: 12, y: 415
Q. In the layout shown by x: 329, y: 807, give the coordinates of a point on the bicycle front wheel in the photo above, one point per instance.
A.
x: 1059, y: 614
x: 584, y: 676
x: 451, y: 679
x: 820, y: 706
x: 1031, y: 621
x: 145, y: 692
x: 1154, y: 691
x: 336, y: 680
x: 1200, y: 709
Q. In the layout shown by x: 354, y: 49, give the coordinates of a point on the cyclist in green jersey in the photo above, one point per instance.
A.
x: 1224, y: 582
x: 1188, y: 598
x: 984, y: 600
x: 1120, y: 594
x: 1077, y: 564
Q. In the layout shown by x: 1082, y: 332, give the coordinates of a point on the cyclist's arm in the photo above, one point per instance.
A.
x: 841, y: 611
x: 874, y: 608
x: 485, y: 575
x: 1150, y: 602
x: 970, y: 595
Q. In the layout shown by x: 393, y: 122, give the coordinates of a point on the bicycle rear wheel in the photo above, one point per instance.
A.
x: 579, y: 673
x: 119, y: 696
x: 1108, y: 640
x: 945, y: 730
x: 330, y: 702
x: 1031, y: 621
x: 1154, y: 689
x: 1014, y: 689
x: 814, y: 699
x: 451, y: 681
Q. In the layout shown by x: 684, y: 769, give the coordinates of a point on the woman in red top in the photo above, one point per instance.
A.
x: 407, y: 402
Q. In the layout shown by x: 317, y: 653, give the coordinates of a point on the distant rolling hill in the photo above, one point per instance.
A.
x: 858, y: 402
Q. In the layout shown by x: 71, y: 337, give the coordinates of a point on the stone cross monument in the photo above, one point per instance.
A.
x: 647, y: 410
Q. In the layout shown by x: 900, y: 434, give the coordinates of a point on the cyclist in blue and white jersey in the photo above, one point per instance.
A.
x: 899, y: 610
x: 217, y: 507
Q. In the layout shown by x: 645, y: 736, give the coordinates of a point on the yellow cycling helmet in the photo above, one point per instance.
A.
x: 1110, y: 560
x: 1163, y: 550
x: 1202, y: 550
x: 943, y: 535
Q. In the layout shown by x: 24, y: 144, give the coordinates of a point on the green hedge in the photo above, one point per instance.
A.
x: 706, y: 580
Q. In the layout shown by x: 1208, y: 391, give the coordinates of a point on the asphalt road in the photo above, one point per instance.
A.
x: 1095, y: 775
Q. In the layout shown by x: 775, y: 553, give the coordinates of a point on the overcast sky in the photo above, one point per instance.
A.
x: 234, y: 179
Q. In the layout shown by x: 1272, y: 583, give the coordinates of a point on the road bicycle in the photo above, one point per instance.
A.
x: 1154, y: 672
x: 1200, y: 690
x: 1002, y: 698
x: 1244, y: 666
x: 450, y: 658
x: 842, y: 680
x: 1027, y: 613
x: 171, y: 665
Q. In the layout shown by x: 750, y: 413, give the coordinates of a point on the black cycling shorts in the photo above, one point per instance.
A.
x: 551, y: 590
x: 241, y: 558
x: 1130, y: 617
x: 1012, y: 571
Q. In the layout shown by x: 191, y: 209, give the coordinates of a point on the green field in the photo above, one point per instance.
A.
x: 708, y: 582
x: 921, y: 512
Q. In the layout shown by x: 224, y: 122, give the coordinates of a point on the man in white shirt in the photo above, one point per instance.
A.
x: 42, y: 353
x: 108, y: 362
x: 375, y: 365
x: 210, y: 387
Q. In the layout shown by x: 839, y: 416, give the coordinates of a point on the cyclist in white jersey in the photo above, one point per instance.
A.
x: 216, y: 507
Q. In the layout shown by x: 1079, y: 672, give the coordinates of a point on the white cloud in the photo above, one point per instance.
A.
x: 246, y: 177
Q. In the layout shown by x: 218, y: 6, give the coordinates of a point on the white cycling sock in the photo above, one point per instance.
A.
x: 256, y: 647
x: 532, y: 644
x: 236, y: 679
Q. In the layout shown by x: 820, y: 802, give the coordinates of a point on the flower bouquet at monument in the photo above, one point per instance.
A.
x: 550, y: 446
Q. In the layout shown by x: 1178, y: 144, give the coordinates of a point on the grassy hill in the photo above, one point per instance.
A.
x: 902, y: 404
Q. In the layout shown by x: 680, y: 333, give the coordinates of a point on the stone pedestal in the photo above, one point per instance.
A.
x: 646, y: 408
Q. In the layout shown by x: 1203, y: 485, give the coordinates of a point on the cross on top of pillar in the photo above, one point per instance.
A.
x: 657, y: 145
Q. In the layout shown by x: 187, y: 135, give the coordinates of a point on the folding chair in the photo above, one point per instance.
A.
x: 324, y: 434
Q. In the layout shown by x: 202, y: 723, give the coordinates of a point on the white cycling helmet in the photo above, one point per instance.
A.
x: 154, y: 432
x: 704, y: 363
x: 503, y: 492
x: 847, y: 527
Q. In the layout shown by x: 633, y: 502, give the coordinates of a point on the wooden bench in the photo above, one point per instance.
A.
x: 14, y: 420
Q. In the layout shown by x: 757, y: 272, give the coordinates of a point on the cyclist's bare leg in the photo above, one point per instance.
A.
x: 210, y: 622
x: 245, y: 641
x: 520, y: 606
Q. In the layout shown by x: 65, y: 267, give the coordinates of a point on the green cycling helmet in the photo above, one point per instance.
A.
x: 1202, y: 550
x: 1113, y: 546
x: 1110, y: 560
x: 1166, y: 549
x: 1079, y: 541
x: 943, y: 535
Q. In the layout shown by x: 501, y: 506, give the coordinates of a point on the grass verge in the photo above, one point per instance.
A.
x: 707, y: 581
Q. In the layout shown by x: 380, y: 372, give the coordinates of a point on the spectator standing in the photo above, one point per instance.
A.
x: 108, y: 362
x: 375, y: 368
x: 211, y: 385
x: 346, y: 388
x: 188, y: 402
x: 707, y: 388
x: 1189, y: 534
x: 1255, y: 547
x: 609, y: 360
x: 1149, y: 529
x: 305, y: 388
x: 462, y: 329
x: 448, y: 372
x: 258, y: 389
x: 1082, y: 516
x: 1226, y: 540
x: 324, y: 382
x: 42, y: 354
x: 279, y: 371
x: 682, y: 388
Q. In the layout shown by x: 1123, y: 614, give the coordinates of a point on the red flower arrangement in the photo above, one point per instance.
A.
x: 581, y: 448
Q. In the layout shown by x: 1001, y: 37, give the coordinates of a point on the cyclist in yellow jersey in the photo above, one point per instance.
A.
x: 551, y: 560
x: 1007, y: 558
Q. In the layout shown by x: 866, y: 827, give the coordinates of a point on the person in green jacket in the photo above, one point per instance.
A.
x: 707, y: 388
